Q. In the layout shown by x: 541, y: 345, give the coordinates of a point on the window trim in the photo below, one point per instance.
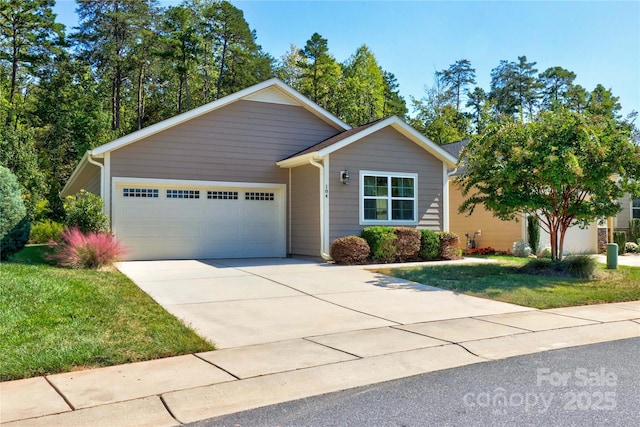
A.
x: 633, y: 208
x: 390, y: 198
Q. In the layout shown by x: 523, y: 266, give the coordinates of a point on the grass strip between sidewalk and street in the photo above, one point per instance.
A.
x: 504, y: 281
x: 58, y: 320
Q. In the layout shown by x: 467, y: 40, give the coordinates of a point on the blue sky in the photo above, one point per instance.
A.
x: 599, y: 41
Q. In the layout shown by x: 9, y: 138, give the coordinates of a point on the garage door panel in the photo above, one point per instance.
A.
x: 221, y: 223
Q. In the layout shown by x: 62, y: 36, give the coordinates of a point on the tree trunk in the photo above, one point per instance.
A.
x: 140, y: 95
x: 223, y: 58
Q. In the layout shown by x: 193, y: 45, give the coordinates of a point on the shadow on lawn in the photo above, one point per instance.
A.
x: 476, y: 278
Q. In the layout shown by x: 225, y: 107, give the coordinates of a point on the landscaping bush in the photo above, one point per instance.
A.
x: 580, y: 266
x: 520, y: 249
x: 429, y: 244
x: 533, y: 233
x: 448, y: 246
x: 349, y: 250
x: 13, y: 215
x: 634, y: 229
x: 407, y: 243
x: 620, y: 237
x: 631, y: 247
x: 15, y: 239
x: 84, y: 212
x: 382, y: 243
x: 44, y: 231
x: 86, y: 250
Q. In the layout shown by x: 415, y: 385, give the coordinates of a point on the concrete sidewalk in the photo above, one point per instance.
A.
x: 391, y: 337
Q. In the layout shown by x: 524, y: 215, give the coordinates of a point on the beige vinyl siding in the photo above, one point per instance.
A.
x: 305, y: 211
x: 384, y: 151
x: 88, y: 179
x: 623, y: 218
x: 496, y: 233
x: 240, y: 142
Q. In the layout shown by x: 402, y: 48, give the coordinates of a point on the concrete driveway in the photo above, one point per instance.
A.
x: 253, y: 301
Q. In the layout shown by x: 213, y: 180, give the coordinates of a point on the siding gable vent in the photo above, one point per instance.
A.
x: 271, y: 95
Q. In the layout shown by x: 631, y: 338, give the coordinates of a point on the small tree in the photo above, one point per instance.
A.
x: 563, y: 168
x: 84, y: 212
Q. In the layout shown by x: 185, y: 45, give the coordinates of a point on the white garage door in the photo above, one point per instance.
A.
x: 173, y: 221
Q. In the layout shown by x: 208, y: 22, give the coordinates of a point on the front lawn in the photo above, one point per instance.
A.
x: 502, y: 282
x: 56, y: 320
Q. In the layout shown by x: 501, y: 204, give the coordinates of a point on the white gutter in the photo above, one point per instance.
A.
x: 323, y: 213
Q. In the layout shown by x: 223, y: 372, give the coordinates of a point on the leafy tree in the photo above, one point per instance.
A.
x: 289, y: 69
x: 365, y: 86
x: 107, y: 34
x: 18, y: 153
x: 437, y: 118
x: 514, y: 87
x: 602, y: 103
x: 481, y: 108
x: 456, y: 78
x: 320, y: 72
x: 556, y: 83
x: 577, y: 98
x: 394, y: 103
x: 29, y: 35
x: 559, y: 168
x: 180, y: 46
x: 241, y: 61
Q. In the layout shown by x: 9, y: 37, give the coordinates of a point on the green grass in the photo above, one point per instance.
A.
x: 57, y: 320
x: 502, y: 282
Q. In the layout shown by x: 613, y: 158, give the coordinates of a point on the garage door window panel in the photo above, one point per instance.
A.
x: 183, y: 194
x: 140, y: 192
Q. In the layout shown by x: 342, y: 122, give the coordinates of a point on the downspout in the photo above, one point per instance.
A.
x: 323, y: 253
x: 101, y: 166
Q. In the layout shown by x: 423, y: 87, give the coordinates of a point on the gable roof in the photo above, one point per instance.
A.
x: 350, y: 136
x: 455, y: 148
x: 272, y: 90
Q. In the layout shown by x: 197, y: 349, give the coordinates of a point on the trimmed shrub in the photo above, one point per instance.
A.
x: 15, y: 239
x: 349, y: 250
x: 382, y: 242
x: 407, y: 243
x: 631, y: 247
x: 429, y: 244
x: 86, y: 250
x: 533, y: 233
x: 84, y: 212
x: 44, y: 231
x: 520, y: 249
x: 580, y: 266
x: 620, y: 237
x: 13, y: 215
x: 448, y: 246
x: 634, y: 229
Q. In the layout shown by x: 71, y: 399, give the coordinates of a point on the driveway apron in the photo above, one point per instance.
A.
x: 244, y: 302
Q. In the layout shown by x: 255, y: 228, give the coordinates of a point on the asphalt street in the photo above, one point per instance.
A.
x: 592, y: 385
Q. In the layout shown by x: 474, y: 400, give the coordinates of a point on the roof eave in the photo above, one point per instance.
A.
x: 296, y: 161
x: 74, y: 175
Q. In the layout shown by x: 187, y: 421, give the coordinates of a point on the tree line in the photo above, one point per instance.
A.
x: 132, y: 63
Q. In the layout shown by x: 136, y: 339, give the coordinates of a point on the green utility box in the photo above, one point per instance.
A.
x: 612, y: 256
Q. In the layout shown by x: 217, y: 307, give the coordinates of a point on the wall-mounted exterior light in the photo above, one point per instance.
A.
x: 344, y: 177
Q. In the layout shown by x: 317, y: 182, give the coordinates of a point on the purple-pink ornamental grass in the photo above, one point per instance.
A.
x: 91, y: 250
